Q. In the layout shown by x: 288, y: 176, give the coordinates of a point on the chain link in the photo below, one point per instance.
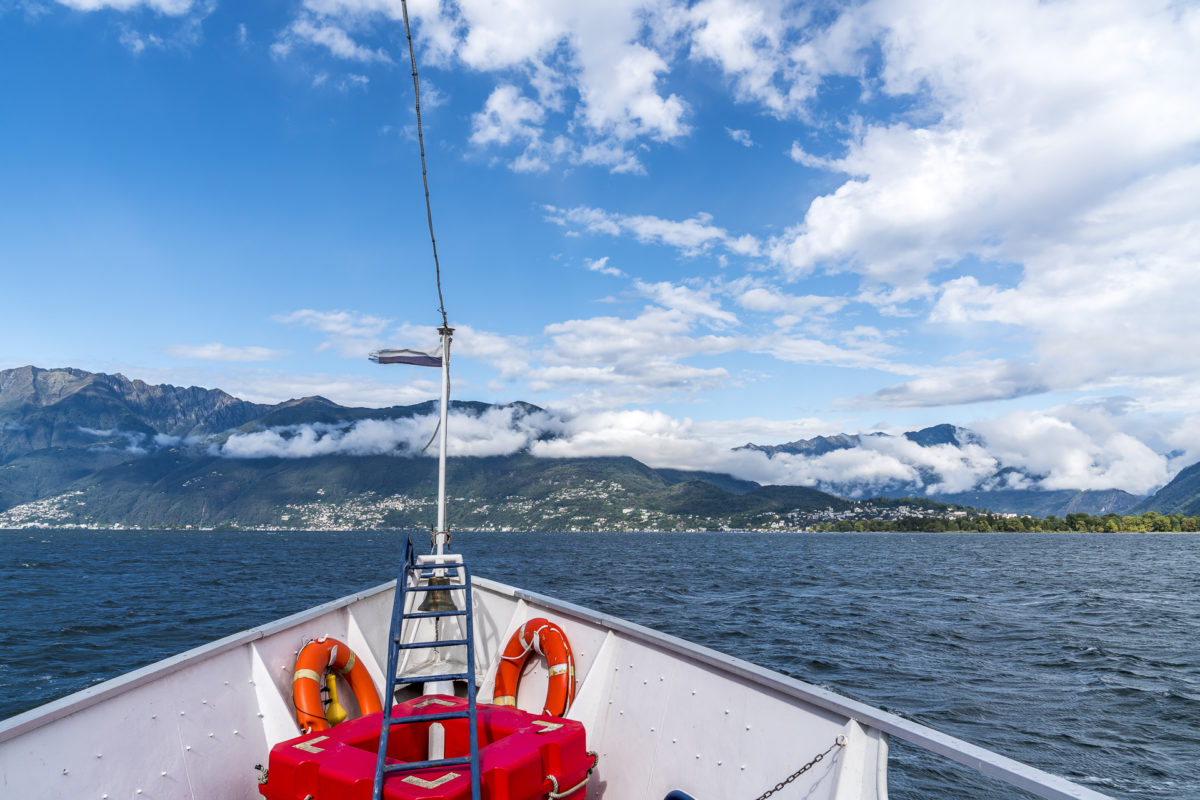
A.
x: 840, y: 741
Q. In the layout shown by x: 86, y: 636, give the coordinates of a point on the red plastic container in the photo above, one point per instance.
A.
x: 518, y: 753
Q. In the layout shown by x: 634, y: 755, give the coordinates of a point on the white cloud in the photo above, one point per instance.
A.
x: 497, y: 431
x: 692, y: 302
x: 740, y: 136
x: 507, y: 116
x: 982, y: 381
x: 611, y: 361
x: 617, y: 340
x: 349, y: 390
x: 601, y: 265
x: 332, y: 37
x: 340, y: 323
x: 662, y: 441
x: 804, y: 350
x: 1057, y: 453
x: 137, y: 42
x: 510, y: 355
x: 351, y: 334
x: 170, y: 7
x: 1071, y: 457
x: 1041, y: 111
x: 1098, y: 445
x: 768, y: 299
x: 802, y: 156
x: 748, y: 41
x: 691, y: 237
x: 215, y: 351
x: 599, y: 54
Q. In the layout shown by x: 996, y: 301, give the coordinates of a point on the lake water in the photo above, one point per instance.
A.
x: 1079, y: 654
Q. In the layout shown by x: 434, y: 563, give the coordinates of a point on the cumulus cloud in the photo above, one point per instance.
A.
x: 643, y: 355
x: 801, y: 156
x: 601, y: 55
x: 509, y: 355
x: 1047, y: 451
x: 348, y: 390
x: 980, y: 382
x: 351, y: 334
x: 1079, y: 446
x: 507, y: 116
x: 215, y: 351
x: 331, y: 37
x: 601, y: 265
x: 691, y: 237
x: 1039, y: 119
x: 1069, y: 455
x: 178, y: 23
x: 496, y: 431
x: 866, y: 353
x: 769, y: 299
x: 740, y: 136
x: 137, y: 42
x: 170, y: 7
x: 692, y: 302
x: 749, y: 41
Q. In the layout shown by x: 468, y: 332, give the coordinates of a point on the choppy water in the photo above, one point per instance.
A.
x: 1079, y: 654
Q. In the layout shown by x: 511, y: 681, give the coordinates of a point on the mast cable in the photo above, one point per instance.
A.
x: 412, y: 57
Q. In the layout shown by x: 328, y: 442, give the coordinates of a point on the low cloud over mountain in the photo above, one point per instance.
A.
x: 1073, y: 450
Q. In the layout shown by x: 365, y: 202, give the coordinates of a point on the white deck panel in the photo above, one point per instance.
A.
x: 662, y: 713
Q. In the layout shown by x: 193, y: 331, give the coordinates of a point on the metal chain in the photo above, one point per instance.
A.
x: 840, y: 741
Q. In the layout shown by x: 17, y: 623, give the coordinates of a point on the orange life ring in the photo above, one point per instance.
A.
x: 316, y: 658
x: 550, y: 642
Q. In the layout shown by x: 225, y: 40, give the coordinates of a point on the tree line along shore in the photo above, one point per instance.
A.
x: 1149, y: 522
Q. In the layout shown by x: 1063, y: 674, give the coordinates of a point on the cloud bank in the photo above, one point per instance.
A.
x: 1073, y: 449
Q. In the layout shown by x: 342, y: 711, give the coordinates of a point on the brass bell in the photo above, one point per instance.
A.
x: 439, y: 599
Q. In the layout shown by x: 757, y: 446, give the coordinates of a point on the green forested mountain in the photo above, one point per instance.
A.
x: 1180, y: 496
x: 86, y: 449
x: 176, y: 490
x: 1056, y: 503
x: 93, y: 449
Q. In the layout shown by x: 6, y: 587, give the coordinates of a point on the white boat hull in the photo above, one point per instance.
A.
x: 662, y: 713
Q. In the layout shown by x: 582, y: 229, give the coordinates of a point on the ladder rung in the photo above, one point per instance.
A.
x: 458, y: 676
x: 439, y: 643
x: 441, y: 762
x: 430, y: 717
x: 424, y: 614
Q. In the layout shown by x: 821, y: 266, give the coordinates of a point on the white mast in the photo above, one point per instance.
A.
x: 441, y: 534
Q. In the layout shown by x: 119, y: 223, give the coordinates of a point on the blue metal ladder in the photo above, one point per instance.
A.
x: 396, y: 644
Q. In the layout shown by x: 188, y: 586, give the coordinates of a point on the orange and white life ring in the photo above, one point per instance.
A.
x: 551, y: 643
x: 316, y: 659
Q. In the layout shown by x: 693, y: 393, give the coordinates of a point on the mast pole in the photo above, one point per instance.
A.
x: 441, y: 534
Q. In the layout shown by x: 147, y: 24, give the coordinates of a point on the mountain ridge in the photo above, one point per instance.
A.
x: 67, y: 430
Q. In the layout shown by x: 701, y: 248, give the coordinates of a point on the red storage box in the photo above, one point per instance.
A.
x: 518, y: 753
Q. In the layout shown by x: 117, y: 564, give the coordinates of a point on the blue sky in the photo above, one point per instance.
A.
x: 683, y: 225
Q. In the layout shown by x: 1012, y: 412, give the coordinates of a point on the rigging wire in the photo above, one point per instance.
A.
x: 412, y: 57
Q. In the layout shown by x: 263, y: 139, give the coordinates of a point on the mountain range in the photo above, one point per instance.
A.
x: 1002, y: 489
x: 92, y: 449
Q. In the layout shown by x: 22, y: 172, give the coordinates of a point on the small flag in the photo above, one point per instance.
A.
x: 414, y: 357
